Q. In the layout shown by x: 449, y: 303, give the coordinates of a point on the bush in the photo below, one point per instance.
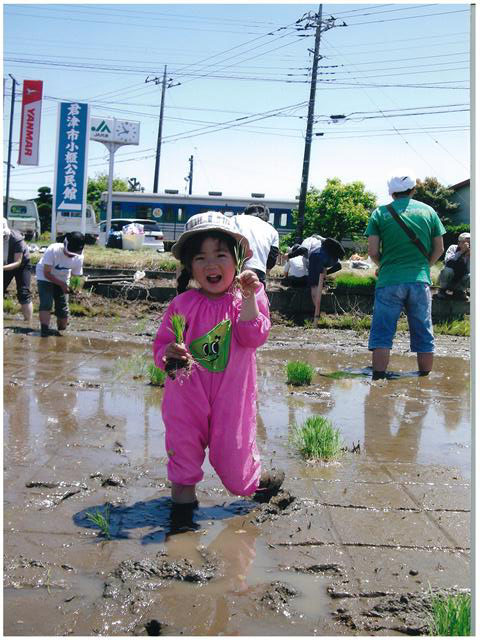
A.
x: 317, y: 439
x: 299, y: 373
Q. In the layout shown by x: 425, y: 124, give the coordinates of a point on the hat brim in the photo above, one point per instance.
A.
x: 186, y: 235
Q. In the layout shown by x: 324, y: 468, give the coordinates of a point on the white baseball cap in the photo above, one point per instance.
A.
x: 208, y: 221
x: 401, y: 181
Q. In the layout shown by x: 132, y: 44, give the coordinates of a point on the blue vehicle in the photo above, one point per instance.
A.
x: 171, y: 211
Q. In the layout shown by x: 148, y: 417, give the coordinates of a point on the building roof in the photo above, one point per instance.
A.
x: 459, y: 185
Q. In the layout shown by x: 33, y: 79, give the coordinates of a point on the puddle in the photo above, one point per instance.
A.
x: 81, y: 431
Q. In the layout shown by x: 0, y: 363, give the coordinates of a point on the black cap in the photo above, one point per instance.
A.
x: 75, y: 242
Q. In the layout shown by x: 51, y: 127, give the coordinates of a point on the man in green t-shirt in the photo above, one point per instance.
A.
x: 403, y: 276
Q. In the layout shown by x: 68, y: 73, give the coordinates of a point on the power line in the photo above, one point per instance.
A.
x: 427, y: 15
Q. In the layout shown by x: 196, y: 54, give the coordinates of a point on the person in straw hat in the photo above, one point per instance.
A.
x: 211, y: 401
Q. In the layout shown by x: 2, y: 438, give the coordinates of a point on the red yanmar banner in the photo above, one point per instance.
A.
x: 30, y: 122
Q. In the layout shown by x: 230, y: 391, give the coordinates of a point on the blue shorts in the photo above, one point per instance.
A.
x: 416, y: 299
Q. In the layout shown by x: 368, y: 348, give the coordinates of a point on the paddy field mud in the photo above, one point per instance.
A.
x: 353, y: 547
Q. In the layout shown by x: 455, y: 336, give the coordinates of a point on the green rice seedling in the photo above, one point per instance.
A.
x: 240, y: 257
x: 348, y: 281
x: 157, y: 376
x: 454, y: 327
x: 341, y: 375
x: 101, y: 520
x: 172, y: 365
x: 10, y: 306
x: 299, y: 373
x: 75, y: 284
x: 178, y: 326
x: 451, y: 615
x: 317, y: 439
x: 135, y: 366
x: 77, y: 309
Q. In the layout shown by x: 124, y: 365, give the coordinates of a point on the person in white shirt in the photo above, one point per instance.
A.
x: 296, y: 275
x: 262, y: 238
x: 59, y: 261
x: 320, y: 255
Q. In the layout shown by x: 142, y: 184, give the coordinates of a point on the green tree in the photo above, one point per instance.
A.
x: 44, y: 206
x: 96, y: 186
x: 431, y: 192
x: 339, y: 211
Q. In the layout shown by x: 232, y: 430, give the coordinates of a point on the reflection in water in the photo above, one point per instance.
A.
x: 392, y: 425
x: 235, y: 546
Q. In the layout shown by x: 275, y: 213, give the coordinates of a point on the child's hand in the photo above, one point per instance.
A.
x: 249, y: 283
x: 176, y: 352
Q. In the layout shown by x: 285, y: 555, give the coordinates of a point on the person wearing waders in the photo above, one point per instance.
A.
x: 404, y: 240
x: 211, y: 402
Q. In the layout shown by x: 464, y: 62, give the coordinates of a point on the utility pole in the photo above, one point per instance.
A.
x: 160, y: 121
x: 308, y: 135
x: 159, y: 136
x: 190, y: 176
x: 320, y: 26
x: 9, y: 164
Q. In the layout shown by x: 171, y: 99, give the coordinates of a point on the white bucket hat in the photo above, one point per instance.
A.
x: 401, y: 180
x: 208, y: 221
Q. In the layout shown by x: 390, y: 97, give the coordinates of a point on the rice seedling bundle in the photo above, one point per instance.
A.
x: 299, y: 373
x: 317, y: 439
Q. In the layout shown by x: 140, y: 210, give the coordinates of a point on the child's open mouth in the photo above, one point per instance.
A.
x: 214, y: 279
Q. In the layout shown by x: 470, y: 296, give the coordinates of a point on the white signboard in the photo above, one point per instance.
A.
x: 101, y: 129
x: 113, y: 130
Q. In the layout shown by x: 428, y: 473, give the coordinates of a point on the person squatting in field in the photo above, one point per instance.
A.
x: 213, y: 403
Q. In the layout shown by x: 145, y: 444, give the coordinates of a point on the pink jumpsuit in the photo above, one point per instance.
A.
x: 214, y: 409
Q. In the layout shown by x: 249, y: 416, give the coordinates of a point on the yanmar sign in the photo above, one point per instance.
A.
x: 30, y: 122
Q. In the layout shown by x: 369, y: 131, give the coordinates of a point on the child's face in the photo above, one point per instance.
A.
x: 213, y: 267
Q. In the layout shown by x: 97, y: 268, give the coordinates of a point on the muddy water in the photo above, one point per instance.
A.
x: 82, y: 431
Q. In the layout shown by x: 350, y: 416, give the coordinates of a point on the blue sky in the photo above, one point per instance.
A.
x: 399, y: 72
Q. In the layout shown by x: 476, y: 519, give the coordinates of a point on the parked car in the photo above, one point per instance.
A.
x: 68, y: 221
x: 23, y: 216
x: 153, y: 234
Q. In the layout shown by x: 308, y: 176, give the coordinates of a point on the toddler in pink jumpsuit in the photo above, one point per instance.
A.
x: 214, y: 404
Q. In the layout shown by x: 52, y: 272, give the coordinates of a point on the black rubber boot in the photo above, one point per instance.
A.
x: 181, y: 517
x: 270, y: 483
x: 44, y: 331
x: 379, y: 375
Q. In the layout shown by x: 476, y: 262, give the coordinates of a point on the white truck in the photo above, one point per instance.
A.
x: 23, y: 216
x: 68, y: 221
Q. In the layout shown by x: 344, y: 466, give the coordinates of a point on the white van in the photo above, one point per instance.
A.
x: 23, y: 216
x: 68, y: 221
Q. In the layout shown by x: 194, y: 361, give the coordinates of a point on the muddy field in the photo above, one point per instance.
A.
x: 349, y: 548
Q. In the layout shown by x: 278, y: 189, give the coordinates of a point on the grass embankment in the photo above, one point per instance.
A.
x: 459, y: 327
x: 106, y: 258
